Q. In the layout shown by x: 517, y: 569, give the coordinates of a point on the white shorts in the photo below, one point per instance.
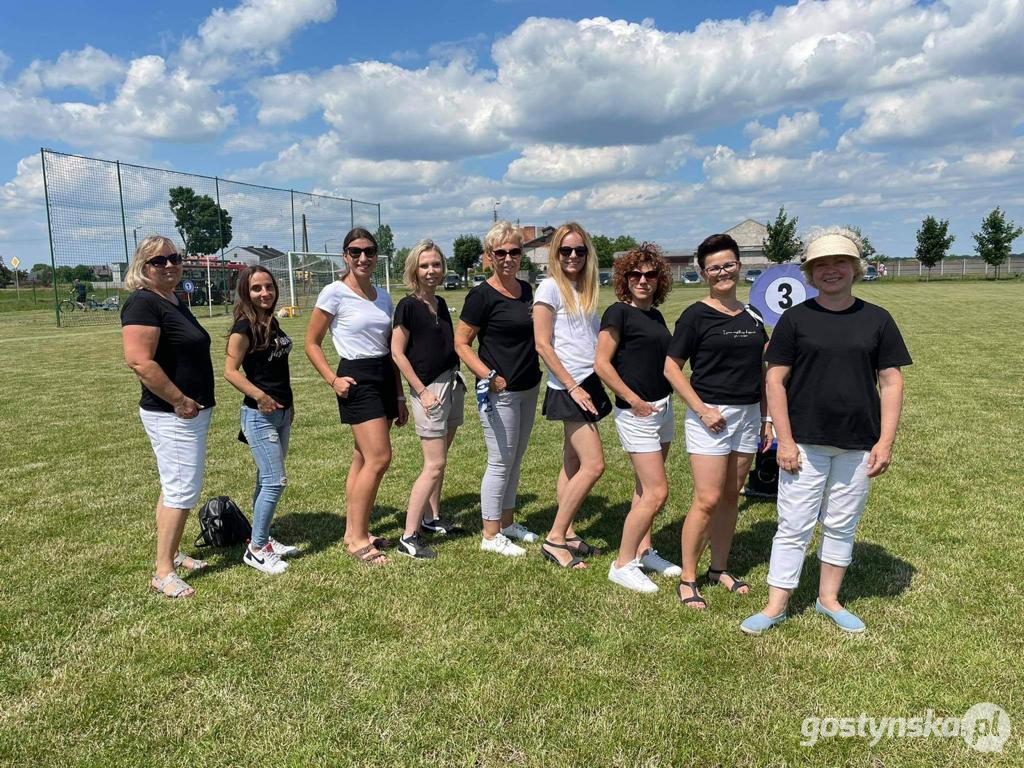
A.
x: 645, y: 434
x: 741, y: 433
x: 450, y: 390
x: 180, y: 448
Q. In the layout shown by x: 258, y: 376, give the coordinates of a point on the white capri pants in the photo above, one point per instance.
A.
x: 831, y: 486
x: 180, y: 448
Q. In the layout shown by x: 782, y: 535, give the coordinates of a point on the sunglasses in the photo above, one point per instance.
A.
x: 162, y: 261
x: 650, y: 275
x: 355, y: 253
x: 566, y: 251
x: 515, y: 253
x: 729, y: 266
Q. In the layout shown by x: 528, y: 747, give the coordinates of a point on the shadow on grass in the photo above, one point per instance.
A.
x: 598, y: 522
x: 873, y: 573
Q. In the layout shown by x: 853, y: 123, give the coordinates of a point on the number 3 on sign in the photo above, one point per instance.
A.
x: 784, y: 293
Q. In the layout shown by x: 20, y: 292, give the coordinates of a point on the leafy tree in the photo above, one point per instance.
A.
x: 933, y: 241
x: 996, y: 236
x: 42, y: 273
x: 385, y: 240
x: 83, y: 272
x: 466, y: 251
x: 65, y: 274
x: 867, y: 250
x: 400, y: 256
x: 782, y: 244
x: 197, y: 221
x: 6, y: 276
x: 607, y: 248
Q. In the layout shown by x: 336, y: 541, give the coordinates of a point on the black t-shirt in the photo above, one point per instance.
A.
x: 835, y: 358
x: 724, y: 351
x: 183, y: 351
x: 506, y: 333
x: 267, y: 368
x: 640, y: 357
x: 431, y: 345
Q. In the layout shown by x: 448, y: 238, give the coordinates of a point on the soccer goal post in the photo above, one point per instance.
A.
x: 301, y: 275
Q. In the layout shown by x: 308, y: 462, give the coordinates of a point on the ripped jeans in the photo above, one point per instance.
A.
x: 267, y: 436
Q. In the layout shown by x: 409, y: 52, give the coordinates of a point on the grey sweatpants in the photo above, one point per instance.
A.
x: 507, y: 430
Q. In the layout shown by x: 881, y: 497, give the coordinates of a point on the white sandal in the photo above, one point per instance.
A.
x: 171, y: 586
x: 181, y: 560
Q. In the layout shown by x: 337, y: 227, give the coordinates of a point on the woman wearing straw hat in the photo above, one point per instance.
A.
x: 835, y: 392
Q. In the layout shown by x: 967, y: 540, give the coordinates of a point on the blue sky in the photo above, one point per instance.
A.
x: 665, y: 120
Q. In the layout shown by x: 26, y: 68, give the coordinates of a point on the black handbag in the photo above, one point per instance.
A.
x: 763, y: 480
x: 222, y: 524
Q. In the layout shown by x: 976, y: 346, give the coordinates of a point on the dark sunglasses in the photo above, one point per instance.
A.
x: 515, y: 253
x: 162, y: 261
x: 566, y: 251
x: 355, y: 253
x: 651, y: 275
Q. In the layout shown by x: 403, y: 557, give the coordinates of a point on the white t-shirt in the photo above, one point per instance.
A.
x: 575, y: 336
x: 361, y: 328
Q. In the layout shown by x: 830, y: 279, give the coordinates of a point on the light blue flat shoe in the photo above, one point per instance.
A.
x: 845, y: 620
x: 759, y: 623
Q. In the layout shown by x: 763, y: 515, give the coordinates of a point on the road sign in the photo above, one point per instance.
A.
x: 15, y: 262
x: 777, y: 289
x: 188, y: 287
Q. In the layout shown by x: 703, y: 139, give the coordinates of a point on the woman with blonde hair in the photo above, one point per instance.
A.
x: 423, y: 348
x: 498, y: 313
x: 565, y: 329
x: 169, y: 351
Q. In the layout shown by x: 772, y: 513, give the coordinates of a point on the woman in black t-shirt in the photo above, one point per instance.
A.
x: 258, y: 345
x: 723, y: 340
x: 423, y: 348
x: 631, y: 349
x: 498, y: 313
x: 835, y: 391
x: 169, y: 351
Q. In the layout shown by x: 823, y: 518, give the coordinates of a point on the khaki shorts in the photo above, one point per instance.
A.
x: 450, y: 390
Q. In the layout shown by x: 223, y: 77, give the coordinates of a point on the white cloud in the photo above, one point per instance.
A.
x: 89, y: 68
x: 25, y: 190
x: 853, y: 201
x: 791, y: 132
x: 542, y: 164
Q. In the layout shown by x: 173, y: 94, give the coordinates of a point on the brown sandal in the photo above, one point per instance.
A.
x: 171, y: 586
x: 369, y: 556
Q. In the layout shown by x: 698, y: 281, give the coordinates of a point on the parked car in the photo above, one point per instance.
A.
x: 479, y: 280
x: 871, y: 273
x: 541, y: 277
x: 606, y: 278
x: 452, y: 280
x: 753, y: 274
x: 689, y: 278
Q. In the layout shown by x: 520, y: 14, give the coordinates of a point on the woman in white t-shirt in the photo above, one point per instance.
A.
x: 565, y: 329
x: 358, y: 316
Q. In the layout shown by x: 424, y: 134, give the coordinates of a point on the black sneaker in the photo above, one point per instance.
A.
x: 413, y: 546
x: 442, y: 527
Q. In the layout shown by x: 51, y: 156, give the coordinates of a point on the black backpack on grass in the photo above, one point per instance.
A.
x: 763, y: 480
x: 222, y: 524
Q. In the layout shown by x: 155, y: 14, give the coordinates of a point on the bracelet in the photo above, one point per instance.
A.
x: 420, y: 393
x: 573, y: 389
x: 332, y: 383
x: 767, y: 420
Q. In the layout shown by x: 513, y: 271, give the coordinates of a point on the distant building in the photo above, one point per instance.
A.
x: 252, y: 254
x: 536, y: 242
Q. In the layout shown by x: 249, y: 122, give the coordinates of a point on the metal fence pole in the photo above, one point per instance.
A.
x: 351, y: 214
x: 124, y: 225
x: 293, y: 220
x: 49, y: 232
x: 220, y: 229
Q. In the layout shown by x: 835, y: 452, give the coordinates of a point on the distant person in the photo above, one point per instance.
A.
x: 497, y: 312
x: 565, y: 328
x: 423, y: 348
x: 835, y: 391
x: 723, y: 341
x: 366, y: 383
x: 169, y: 351
x: 257, y: 366
x: 631, y: 350
x: 81, y: 292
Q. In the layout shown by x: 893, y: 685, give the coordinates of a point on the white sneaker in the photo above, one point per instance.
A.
x: 501, y: 545
x: 652, y: 561
x: 517, y: 531
x: 282, y: 550
x: 631, y: 577
x: 265, y: 560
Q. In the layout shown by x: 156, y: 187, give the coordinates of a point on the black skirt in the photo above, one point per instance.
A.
x: 374, y: 395
x: 559, y: 405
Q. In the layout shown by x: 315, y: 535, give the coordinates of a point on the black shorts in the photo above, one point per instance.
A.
x: 559, y: 405
x: 375, y: 393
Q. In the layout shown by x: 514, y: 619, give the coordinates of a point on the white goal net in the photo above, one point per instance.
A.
x: 301, y: 275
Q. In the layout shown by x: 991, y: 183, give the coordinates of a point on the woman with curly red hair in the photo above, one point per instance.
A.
x: 631, y: 349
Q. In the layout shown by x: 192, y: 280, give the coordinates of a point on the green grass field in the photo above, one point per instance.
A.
x: 475, y: 660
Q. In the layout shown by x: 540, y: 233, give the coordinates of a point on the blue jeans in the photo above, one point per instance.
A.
x: 267, y: 436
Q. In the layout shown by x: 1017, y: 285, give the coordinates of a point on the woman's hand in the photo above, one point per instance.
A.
x: 582, y: 398
x: 767, y: 435
x: 186, y: 408
x: 428, y: 400
x: 342, y: 384
x: 641, y: 409
x: 267, y: 405
x: 713, y: 420
x: 879, y: 458
x: 788, y: 456
x: 498, y: 384
x: 403, y: 414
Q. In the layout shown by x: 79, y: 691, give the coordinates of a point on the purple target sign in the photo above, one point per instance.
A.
x: 777, y: 289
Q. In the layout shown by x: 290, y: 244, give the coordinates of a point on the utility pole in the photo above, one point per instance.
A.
x: 496, y: 204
